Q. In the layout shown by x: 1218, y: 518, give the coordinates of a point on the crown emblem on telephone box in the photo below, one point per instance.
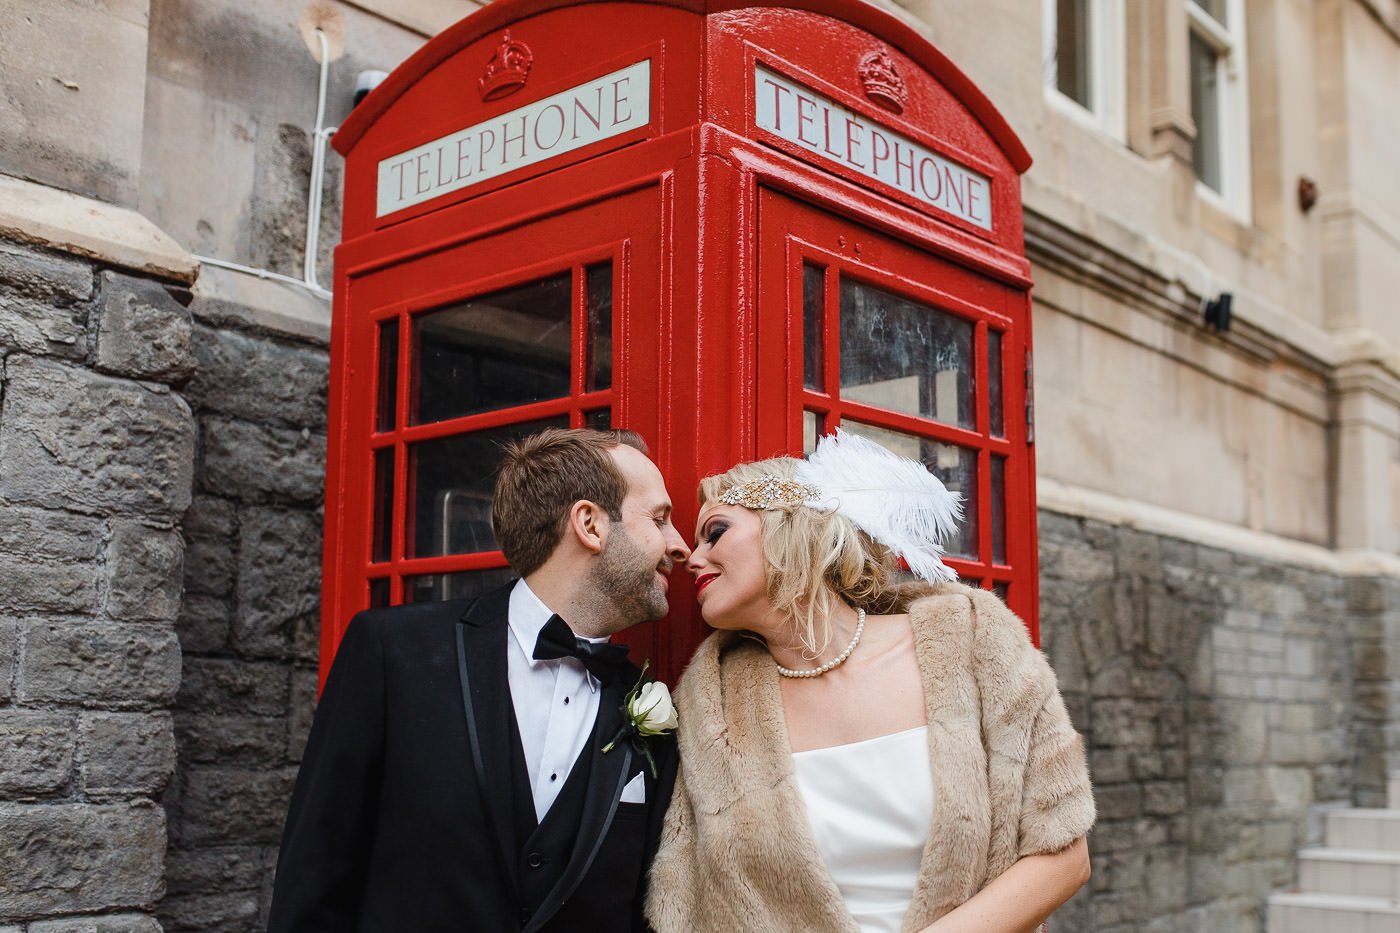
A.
x: 507, y: 70
x: 881, y: 79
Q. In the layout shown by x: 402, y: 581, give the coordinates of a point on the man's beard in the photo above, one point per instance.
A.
x: 623, y: 578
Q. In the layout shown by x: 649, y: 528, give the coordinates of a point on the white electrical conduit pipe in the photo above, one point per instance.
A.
x: 320, y: 136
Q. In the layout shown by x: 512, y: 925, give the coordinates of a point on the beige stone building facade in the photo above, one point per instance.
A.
x: 1219, y: 495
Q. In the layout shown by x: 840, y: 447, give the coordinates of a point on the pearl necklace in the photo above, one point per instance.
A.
x: 834, y: 662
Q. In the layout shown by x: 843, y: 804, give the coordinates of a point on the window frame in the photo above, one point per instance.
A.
x: 1227, y: 40
x: 1107, y: 110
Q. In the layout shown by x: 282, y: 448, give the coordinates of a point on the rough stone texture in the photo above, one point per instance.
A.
x: 36, y: 752
x: 43, y: 303
x: 70, y: 438
x: 74, y: 857
x: 259, y: 380
x: 126, y: 753
x: 40, y: 535
x: 279, y: 580
x: 9, y: 652
x: 256, y: 463
x: 107, y: 923
x: 99, y: 664
x: 142, y: 331
x: 145, y: 572
x: 1213, y: 691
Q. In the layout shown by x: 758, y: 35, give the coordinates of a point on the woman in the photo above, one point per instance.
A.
x: 859, y: 755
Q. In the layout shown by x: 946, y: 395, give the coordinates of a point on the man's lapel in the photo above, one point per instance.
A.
x: 481, y: 664
x: 608, y: 773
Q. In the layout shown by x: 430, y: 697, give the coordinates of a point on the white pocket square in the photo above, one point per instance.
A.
x: 636, y: 789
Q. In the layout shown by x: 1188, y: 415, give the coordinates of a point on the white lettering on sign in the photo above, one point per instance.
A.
x: 569, y: 120
x: 806, y: 118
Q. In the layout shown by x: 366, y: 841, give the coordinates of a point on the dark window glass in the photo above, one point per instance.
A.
x: 599, y: 419
x: 496, y: 351
x: 452, y: 480
x: 905, y: 356
x: 1205, y: 111
x: 387, y: 396
x: 383, y: 504
x: 437, y: 587
x: 1002, y: 589
x: 1072, y: 45
x: 379, y: 591
x: 598, y: 284
x: 994, y: 377
x: 956, y: 466
x: 811, y: 430
x: 813, y: 325
x: 998, y: 510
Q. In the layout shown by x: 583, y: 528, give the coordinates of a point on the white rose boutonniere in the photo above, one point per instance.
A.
x: 648, y: 712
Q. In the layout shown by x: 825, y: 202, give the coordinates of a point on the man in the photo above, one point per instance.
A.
x: 456, y: 776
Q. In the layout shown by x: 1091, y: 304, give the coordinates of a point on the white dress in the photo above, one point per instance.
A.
x: 870, y: 805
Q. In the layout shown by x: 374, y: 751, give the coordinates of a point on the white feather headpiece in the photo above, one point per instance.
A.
x: 895, y: 500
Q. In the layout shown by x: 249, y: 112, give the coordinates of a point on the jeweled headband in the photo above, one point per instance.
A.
x: 895, y: 500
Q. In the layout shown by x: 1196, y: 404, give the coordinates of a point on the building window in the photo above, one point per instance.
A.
x: 1218, y: 101
x: 1083, y: 60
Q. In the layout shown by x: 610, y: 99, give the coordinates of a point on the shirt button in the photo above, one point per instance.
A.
x: 535, y: 860
x: 566, y: 701
x: 554, y: 776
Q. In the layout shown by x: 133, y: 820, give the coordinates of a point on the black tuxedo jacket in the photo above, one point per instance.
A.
x: 401, y: 819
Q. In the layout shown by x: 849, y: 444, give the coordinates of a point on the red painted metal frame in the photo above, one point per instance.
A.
x: 693, y: 209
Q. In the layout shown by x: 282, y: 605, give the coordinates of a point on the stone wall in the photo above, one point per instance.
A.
x: 96, y: 458
x: 249, y: 623
x: 1215, y: 693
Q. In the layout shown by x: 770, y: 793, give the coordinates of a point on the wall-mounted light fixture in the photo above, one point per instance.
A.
x: 1217, y: 312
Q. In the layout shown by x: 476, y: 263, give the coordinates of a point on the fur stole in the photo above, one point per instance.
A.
x: 1009, y: 779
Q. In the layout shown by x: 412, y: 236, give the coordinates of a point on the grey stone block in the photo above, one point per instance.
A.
x: 9, y: 652
x: 217, y: 685
x: 99, y: 664
x: 302, y: 711
x: 207, y: 738
x: 209, y: 529
x: 222, y: 806
x: 259, y: 380
x: 43, y: 534
x: 216, y: 912
x: 36, y: 751
x: 203, y: 625
x: 79, y: 857
x: 51, y: 586
x: 255, y: 463
x: 127, y: 753
x: 142, y: 331
x: 217, y: 868
x: 74, y: 439
x: 279, y: 578
x: 107, y: 923
x: 145, y: 573
x: 43, y: 303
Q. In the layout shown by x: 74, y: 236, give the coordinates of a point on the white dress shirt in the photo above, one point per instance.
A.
x: 555, y: 701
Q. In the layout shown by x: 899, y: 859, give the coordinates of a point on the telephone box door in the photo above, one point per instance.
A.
x: 884, y: 338
x: 461, y: 349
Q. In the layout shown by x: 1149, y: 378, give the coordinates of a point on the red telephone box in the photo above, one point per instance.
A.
x: 729, y: 227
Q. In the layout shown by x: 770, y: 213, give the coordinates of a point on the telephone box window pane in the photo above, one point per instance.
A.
x: 905, y: 356
x: 383, y: 504
x: 453, y: 478
x: 496, y: 351
x: 438, y: 587
x: 599, y: 419
x: 998, y: 510
x: 379, y: 593
x: 813, y: 325
x: 598, y: 287
x: 994, y: 375
x: 1002, y: 589
x: 811, y: 430
x: 387, y: 397
x: 956, y: 466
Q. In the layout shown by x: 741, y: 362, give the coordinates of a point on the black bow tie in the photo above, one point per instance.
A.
x: 605, y: 661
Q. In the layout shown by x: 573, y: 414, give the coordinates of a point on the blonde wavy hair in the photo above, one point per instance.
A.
x: 813, y: 559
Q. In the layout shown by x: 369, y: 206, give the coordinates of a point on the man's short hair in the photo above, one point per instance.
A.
x: 541, y: 478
